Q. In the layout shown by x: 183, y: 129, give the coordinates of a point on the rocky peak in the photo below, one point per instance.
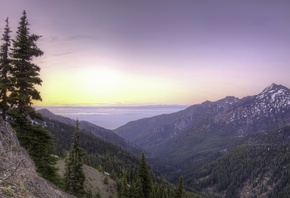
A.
x: 274, y: 97
x: 274, y: 87
x: 268, y: 110
x: 274, y: 92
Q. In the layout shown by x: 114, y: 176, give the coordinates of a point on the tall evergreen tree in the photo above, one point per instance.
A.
x: 19, y: 76
x: 5, y: 70
x: 144, y: 177
x: 25, y: 74
x: 74, y: 175
x: 124, y: 189
x: 39, y: 144
x: 179, y: 190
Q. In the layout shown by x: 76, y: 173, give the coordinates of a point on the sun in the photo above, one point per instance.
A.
x: 103, y: 86
x: 102, y: 82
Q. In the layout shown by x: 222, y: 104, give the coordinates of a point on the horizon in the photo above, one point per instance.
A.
x: 112, y: 117
x: 147, y: 105
x: 184, y: 53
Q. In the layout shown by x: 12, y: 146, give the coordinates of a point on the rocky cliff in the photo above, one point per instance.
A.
x: 18, y: 177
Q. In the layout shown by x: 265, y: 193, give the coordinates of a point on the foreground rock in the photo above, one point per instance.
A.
x: 17, y: 171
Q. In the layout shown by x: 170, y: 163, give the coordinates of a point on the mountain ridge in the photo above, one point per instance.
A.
x: 193, y: 114
x: 204, y: 132
x: 105, y: 134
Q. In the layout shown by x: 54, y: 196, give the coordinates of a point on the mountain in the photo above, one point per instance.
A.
x: 150, y: 132
x: 18, y: 177
x: 258, y: 166
x: 105, y: 134
x: 271, y: 102
x: 186, y: 140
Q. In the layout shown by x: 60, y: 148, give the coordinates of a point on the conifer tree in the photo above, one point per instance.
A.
x: 179, y: 190
x: 139, y: 189
x: 144, y: 177
x: 74, y: 175
x: 25, y: 74
x: 124, y: 189
x: 39, y: 144
x: 20, y: 76
x: 5, y: 70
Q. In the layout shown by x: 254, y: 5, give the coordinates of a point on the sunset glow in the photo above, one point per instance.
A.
x: 112, y: 53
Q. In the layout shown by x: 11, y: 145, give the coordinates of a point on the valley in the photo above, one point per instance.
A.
x: 231, y: 147
x: 105, y: 155
x: 144, y: 99
x: 228, y: 148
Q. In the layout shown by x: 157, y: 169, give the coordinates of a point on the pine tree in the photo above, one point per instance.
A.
x: 39, y: 143
x: 124, y: 189
x: 5, y: 70
x: 179, y: 190
x: 144, y: 177
x: 25, y: 74
x: 138, y: 189
x: 74, y: 176
x: 18, y: 76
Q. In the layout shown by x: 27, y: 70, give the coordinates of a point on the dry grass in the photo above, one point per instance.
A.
x: 94, y: 181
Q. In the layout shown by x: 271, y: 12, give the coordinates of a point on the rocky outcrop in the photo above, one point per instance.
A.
x: 18, y: 177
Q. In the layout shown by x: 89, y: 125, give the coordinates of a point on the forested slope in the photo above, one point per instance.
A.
x: 122, y: 166
x: 257, y: 166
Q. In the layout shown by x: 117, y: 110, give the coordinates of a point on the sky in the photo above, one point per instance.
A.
x: 128, y: 52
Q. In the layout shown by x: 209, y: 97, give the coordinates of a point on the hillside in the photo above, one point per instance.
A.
x: 98, y: 153
x: 258, y: 166
x: 105, y: 156
x: 205, y: 132
x: 104, y: 134
x: 18, y: 177
x: 94, y: 181
x: 157, y: 130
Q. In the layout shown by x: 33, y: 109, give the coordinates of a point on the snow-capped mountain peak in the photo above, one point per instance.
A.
x: 274, y: 93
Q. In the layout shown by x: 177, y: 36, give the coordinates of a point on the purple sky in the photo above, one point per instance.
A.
x: 156, y: 52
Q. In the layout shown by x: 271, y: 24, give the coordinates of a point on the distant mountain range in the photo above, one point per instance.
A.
x: 268, y: 110
x: 187, y: 140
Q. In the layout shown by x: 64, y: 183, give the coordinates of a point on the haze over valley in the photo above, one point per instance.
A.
x: 112, y: 117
